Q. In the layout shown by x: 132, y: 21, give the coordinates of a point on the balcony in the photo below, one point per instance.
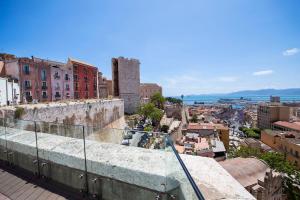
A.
x: 56, y: 76
x: 68, y: 89
x: 44, y: 87
x: 57, y: 88
x: 28, y: 87
x: 27, y: 72
x: 57, y: 96
x: 61, y: 154
x: 45, y: 96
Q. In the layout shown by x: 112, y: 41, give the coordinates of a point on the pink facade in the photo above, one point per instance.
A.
x: 62, y: 81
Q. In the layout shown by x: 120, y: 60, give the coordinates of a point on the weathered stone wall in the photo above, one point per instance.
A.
x: 96, y: 113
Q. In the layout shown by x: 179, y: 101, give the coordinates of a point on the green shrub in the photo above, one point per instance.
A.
x: 19, y: 112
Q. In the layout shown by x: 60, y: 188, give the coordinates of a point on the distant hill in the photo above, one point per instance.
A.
x: 268, y: 92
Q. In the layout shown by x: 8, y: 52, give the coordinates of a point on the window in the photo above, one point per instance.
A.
x: 28, y: 94
x: 66, y: 77
x: 57, y: 95
x: 56, y: 75
x: 67, y: 87
x: 26, y: 69
x: 44, y: 94
x: 76, y: 95
x: 44, y: 85
x: 27, y: 84
x: 43, y: 75
x: 297, y: 154
x: 76, y: 86
x: 75, y: 77
x: 57, y: 86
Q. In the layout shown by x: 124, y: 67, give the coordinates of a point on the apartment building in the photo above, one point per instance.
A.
x: 9, y: 91
x: 126, y: 82
x: 147, y: 90
x: 34, y: 78
x: 285, y: 142
x: 61, y: 79
x: 269, y: 113
x: 85, y: 79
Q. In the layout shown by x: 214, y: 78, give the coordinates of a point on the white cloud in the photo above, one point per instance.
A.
x: 290, y: 52
x: 263, y: 72
x: 228, y: 79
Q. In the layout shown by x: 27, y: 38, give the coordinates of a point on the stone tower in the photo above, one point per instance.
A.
x: 126, y: 82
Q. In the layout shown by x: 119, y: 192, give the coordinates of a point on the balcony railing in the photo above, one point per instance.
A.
x: 27, y: 72
x: 28, y: 87
x: 92, y: 164
x: 44, y: 87
x: 57, y: 96
x: 44, y: 96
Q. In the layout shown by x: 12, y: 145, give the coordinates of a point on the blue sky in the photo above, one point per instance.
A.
x: 189, y: 47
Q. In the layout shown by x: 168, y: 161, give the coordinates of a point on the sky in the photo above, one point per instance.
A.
x: 188, y: 47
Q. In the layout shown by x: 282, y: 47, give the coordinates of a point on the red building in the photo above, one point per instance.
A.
x: 85, y: 79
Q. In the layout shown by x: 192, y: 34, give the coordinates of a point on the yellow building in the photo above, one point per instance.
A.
x: 223, y: 134
x: 285, y: 142
x: 269, y: 113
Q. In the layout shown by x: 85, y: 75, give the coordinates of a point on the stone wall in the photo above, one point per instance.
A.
x: 96, y: 113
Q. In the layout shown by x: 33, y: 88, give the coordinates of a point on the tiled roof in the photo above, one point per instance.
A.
x: 289, y: 125
x: 246, y: 170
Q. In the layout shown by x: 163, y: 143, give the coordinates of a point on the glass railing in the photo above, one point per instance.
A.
x: 52, y: 148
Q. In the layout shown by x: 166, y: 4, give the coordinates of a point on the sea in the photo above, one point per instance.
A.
x: 212, y: 99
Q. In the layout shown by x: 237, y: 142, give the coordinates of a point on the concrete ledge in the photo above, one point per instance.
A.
x: 151, y: 169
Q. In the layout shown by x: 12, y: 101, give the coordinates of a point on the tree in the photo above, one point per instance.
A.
x: 158, y: 100
x: 156, y: 116
x: 146, y: 109
x: 174, y: 100
x: 194, y: 118
x: 149, y: 111
x: 148, y: 128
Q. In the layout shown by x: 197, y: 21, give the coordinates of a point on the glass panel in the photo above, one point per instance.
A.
x: 178, y: 185
x: 61, y: 153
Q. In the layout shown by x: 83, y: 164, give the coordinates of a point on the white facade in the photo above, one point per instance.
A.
x: 9, y: 92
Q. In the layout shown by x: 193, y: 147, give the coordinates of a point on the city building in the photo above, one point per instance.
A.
x: 102, y: 86
x: 34, y: 78
x: 147, y: 90
x: 126, y: 82
x: 269, y: 113
x: 210, y: 129
x: 256, y: 176
x: 287, y: 126
x: 85, y: 79
x: 274, y: 99
x: 61, y: 79
x: 9, y: 91
x: 285, y: 142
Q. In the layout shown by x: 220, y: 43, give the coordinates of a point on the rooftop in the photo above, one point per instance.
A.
x: 246, y: 170
x: 290, y: 125
x: 80, y: 62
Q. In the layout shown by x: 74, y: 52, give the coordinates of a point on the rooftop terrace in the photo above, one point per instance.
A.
x: 112, y: 171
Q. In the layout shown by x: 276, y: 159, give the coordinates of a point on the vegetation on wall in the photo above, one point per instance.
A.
x: 19, y: 112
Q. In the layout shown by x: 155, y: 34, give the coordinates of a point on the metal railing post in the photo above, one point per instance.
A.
x: 37, y: 149
x: 6, y: 151
x: 186, y: 171
x: 85, y: 164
